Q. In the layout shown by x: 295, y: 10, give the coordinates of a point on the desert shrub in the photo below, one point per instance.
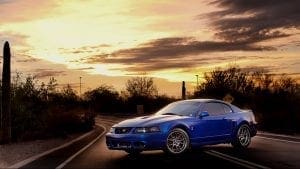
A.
x: 103, y: 99
x: 41, y: 111
x: 139, y: 91
x: 274, y: 100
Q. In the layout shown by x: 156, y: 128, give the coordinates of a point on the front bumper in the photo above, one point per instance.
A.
x: 147, y: 141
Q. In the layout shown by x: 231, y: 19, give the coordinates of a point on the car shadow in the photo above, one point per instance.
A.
x: 229, y: 150
x: 196, y: 158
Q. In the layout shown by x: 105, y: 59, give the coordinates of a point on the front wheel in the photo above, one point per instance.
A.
x: 242, y: 138
x: 177, y: 141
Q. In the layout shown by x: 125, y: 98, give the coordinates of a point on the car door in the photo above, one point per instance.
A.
x: 216, y: 126
x: 228, y: 117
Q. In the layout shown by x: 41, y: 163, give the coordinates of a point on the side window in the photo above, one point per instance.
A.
x: 227, y: 109
x: 214, y: 109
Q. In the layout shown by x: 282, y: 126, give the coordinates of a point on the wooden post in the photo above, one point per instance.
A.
x: 183, y: 91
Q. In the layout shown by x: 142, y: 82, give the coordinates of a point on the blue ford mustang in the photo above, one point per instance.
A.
x: 182, y: 125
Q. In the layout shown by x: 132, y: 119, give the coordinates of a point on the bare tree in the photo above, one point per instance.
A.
x: 141, y: 86
x: 52, y: 84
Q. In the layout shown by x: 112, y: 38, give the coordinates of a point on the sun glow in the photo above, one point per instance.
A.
x: 70, y: 33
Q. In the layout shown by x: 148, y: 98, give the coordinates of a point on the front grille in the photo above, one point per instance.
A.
x: 122, y: 130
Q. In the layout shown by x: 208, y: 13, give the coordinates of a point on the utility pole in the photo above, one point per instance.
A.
x: 80, y: 86
x: 197, y: 76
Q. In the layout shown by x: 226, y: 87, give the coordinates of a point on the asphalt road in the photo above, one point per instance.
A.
x: 264, y: 152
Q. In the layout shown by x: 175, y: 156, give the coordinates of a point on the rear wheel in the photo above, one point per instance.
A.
x: 177, y: 141
x: 242, y: 137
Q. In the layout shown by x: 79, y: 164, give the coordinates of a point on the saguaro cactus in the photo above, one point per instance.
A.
x: 5, y: 132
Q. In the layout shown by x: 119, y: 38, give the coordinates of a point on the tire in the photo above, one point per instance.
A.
x: 242, y: 137
x: 177, y: 142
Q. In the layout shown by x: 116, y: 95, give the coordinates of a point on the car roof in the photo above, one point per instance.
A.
x: 233, y: 107
x: 202, y: 100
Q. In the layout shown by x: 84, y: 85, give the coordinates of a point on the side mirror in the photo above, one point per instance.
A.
x: 203, y: 114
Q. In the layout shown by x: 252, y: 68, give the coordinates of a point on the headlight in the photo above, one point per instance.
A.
x: 147, y: 129
x: 112, y: 130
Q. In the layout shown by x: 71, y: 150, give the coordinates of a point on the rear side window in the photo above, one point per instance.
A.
x: 227, y: 109
x: 214, y: 109
x: 235, y: 109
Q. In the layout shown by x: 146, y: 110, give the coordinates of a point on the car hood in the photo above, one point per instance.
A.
x: 147, y: 121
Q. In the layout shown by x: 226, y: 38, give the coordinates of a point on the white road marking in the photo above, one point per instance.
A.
x: 33, y: 158
x: 81, y: 150
x: 276, y: 139
x: 241, y: 162
x: 232, y: 159
x: 280, y: 135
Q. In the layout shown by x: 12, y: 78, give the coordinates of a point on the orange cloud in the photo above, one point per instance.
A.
x: 25, y: 10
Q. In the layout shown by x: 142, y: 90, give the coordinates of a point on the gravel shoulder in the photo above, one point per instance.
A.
x: 15, y: 152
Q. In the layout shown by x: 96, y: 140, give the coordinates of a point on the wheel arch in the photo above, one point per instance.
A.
x: 251, y: 125
x: 237, y: 126
x: 241, y: 122
x: 183, y: 127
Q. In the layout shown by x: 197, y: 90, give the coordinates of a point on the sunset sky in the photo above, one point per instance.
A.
x: 110, y: 41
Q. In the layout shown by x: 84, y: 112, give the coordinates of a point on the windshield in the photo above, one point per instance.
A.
x: 183, y: 108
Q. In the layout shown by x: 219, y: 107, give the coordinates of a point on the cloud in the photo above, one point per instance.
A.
x: 85, y: 68
x: 85, y: 49
x: 265, y: 69
x: 169, y: 53
x: 25, y: 58
x: 42, y: 73
x: 254, y: 21
x: 5, y: 1
x: 239, y: 24
x: 15, y: 39
x: 25, y: 10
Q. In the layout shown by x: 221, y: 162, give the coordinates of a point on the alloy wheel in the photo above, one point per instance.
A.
x: 244, y: 136
x: 177, y: 141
